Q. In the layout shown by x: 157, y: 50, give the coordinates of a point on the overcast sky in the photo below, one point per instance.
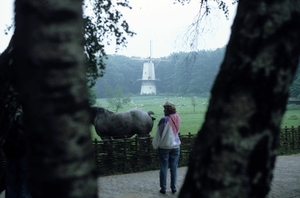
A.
x: 161, y: 21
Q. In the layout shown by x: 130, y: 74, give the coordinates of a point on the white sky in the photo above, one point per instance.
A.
x: 161, y: 21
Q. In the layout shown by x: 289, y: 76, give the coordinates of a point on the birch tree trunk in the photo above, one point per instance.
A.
x: 235, y: 150
x: 52, y: 83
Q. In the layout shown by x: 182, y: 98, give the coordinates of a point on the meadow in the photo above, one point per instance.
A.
x: 191, y: 118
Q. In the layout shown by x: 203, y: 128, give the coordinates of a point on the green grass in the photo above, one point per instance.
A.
x: 291, y: 118
x: 190, y: 121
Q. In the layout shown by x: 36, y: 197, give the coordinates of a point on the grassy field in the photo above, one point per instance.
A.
x: 191, y: 120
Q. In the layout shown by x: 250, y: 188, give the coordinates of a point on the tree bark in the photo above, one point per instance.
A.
x: 53, y: 89
x: 235, y: 150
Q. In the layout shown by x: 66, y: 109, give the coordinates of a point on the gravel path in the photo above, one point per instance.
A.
x: 286, y: 182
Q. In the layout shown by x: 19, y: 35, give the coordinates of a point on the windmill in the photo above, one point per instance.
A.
x: 148, y: 85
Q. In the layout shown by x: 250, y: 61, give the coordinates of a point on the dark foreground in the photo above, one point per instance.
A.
x: 286, y: 182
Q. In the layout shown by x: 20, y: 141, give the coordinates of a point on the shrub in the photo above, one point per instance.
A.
x: 92, y: 97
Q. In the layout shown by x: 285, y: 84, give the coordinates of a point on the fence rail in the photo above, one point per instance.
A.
x: 136, y: 154
x: 133, y: 154
x: 289, y: 140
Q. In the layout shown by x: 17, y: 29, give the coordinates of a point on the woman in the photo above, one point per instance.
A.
x: 167, y: 141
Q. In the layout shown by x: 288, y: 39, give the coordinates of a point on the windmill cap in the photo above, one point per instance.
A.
x: 169, y: 104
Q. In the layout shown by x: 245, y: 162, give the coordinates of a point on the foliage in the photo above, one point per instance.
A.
x: 92, y: 47
x: 205, y: 4
x: 121, y: 71
x: 178, y: 75
x: 115, y: 97
x: 104, y: 27
x: 193, y: 33
x: 92, y: 97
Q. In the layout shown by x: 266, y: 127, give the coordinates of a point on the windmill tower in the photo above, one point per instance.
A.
x: 148, y: 77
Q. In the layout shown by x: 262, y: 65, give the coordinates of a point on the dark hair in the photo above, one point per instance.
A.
x: 169, y: 109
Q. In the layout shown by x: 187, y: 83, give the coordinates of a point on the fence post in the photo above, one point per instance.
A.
x: 298, y: 137
x: 96, y: 155
x: 148, y: 144
x: 285, y: 139
x: 293, y: 144
x: 136, y: 154
x: 125, y: 154
x: 136, y: 146
x: 125, y: 146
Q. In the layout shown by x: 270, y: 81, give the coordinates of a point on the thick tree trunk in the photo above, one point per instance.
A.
x: 235, y: 150
x: 52, y: 84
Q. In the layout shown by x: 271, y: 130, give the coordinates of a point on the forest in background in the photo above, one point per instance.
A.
x: 181, y: 74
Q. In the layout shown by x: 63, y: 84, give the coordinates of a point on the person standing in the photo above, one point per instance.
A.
x: 167, y: 141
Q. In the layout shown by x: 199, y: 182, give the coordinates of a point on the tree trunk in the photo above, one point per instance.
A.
x: 53, y: 89
x: 235, y: 150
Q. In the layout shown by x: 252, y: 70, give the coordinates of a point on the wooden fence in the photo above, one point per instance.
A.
x: 134, y: 154
x: 137, y: 154
x: 289, y: 140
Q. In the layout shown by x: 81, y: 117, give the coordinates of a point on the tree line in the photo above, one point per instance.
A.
x: 180, y: 73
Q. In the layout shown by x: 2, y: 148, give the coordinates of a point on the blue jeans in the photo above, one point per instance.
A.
x: 168, y: 158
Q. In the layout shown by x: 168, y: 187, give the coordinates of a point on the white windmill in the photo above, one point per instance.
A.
x: 148, y: 76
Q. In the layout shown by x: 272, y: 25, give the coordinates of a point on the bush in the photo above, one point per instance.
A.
x: 92, y: 97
